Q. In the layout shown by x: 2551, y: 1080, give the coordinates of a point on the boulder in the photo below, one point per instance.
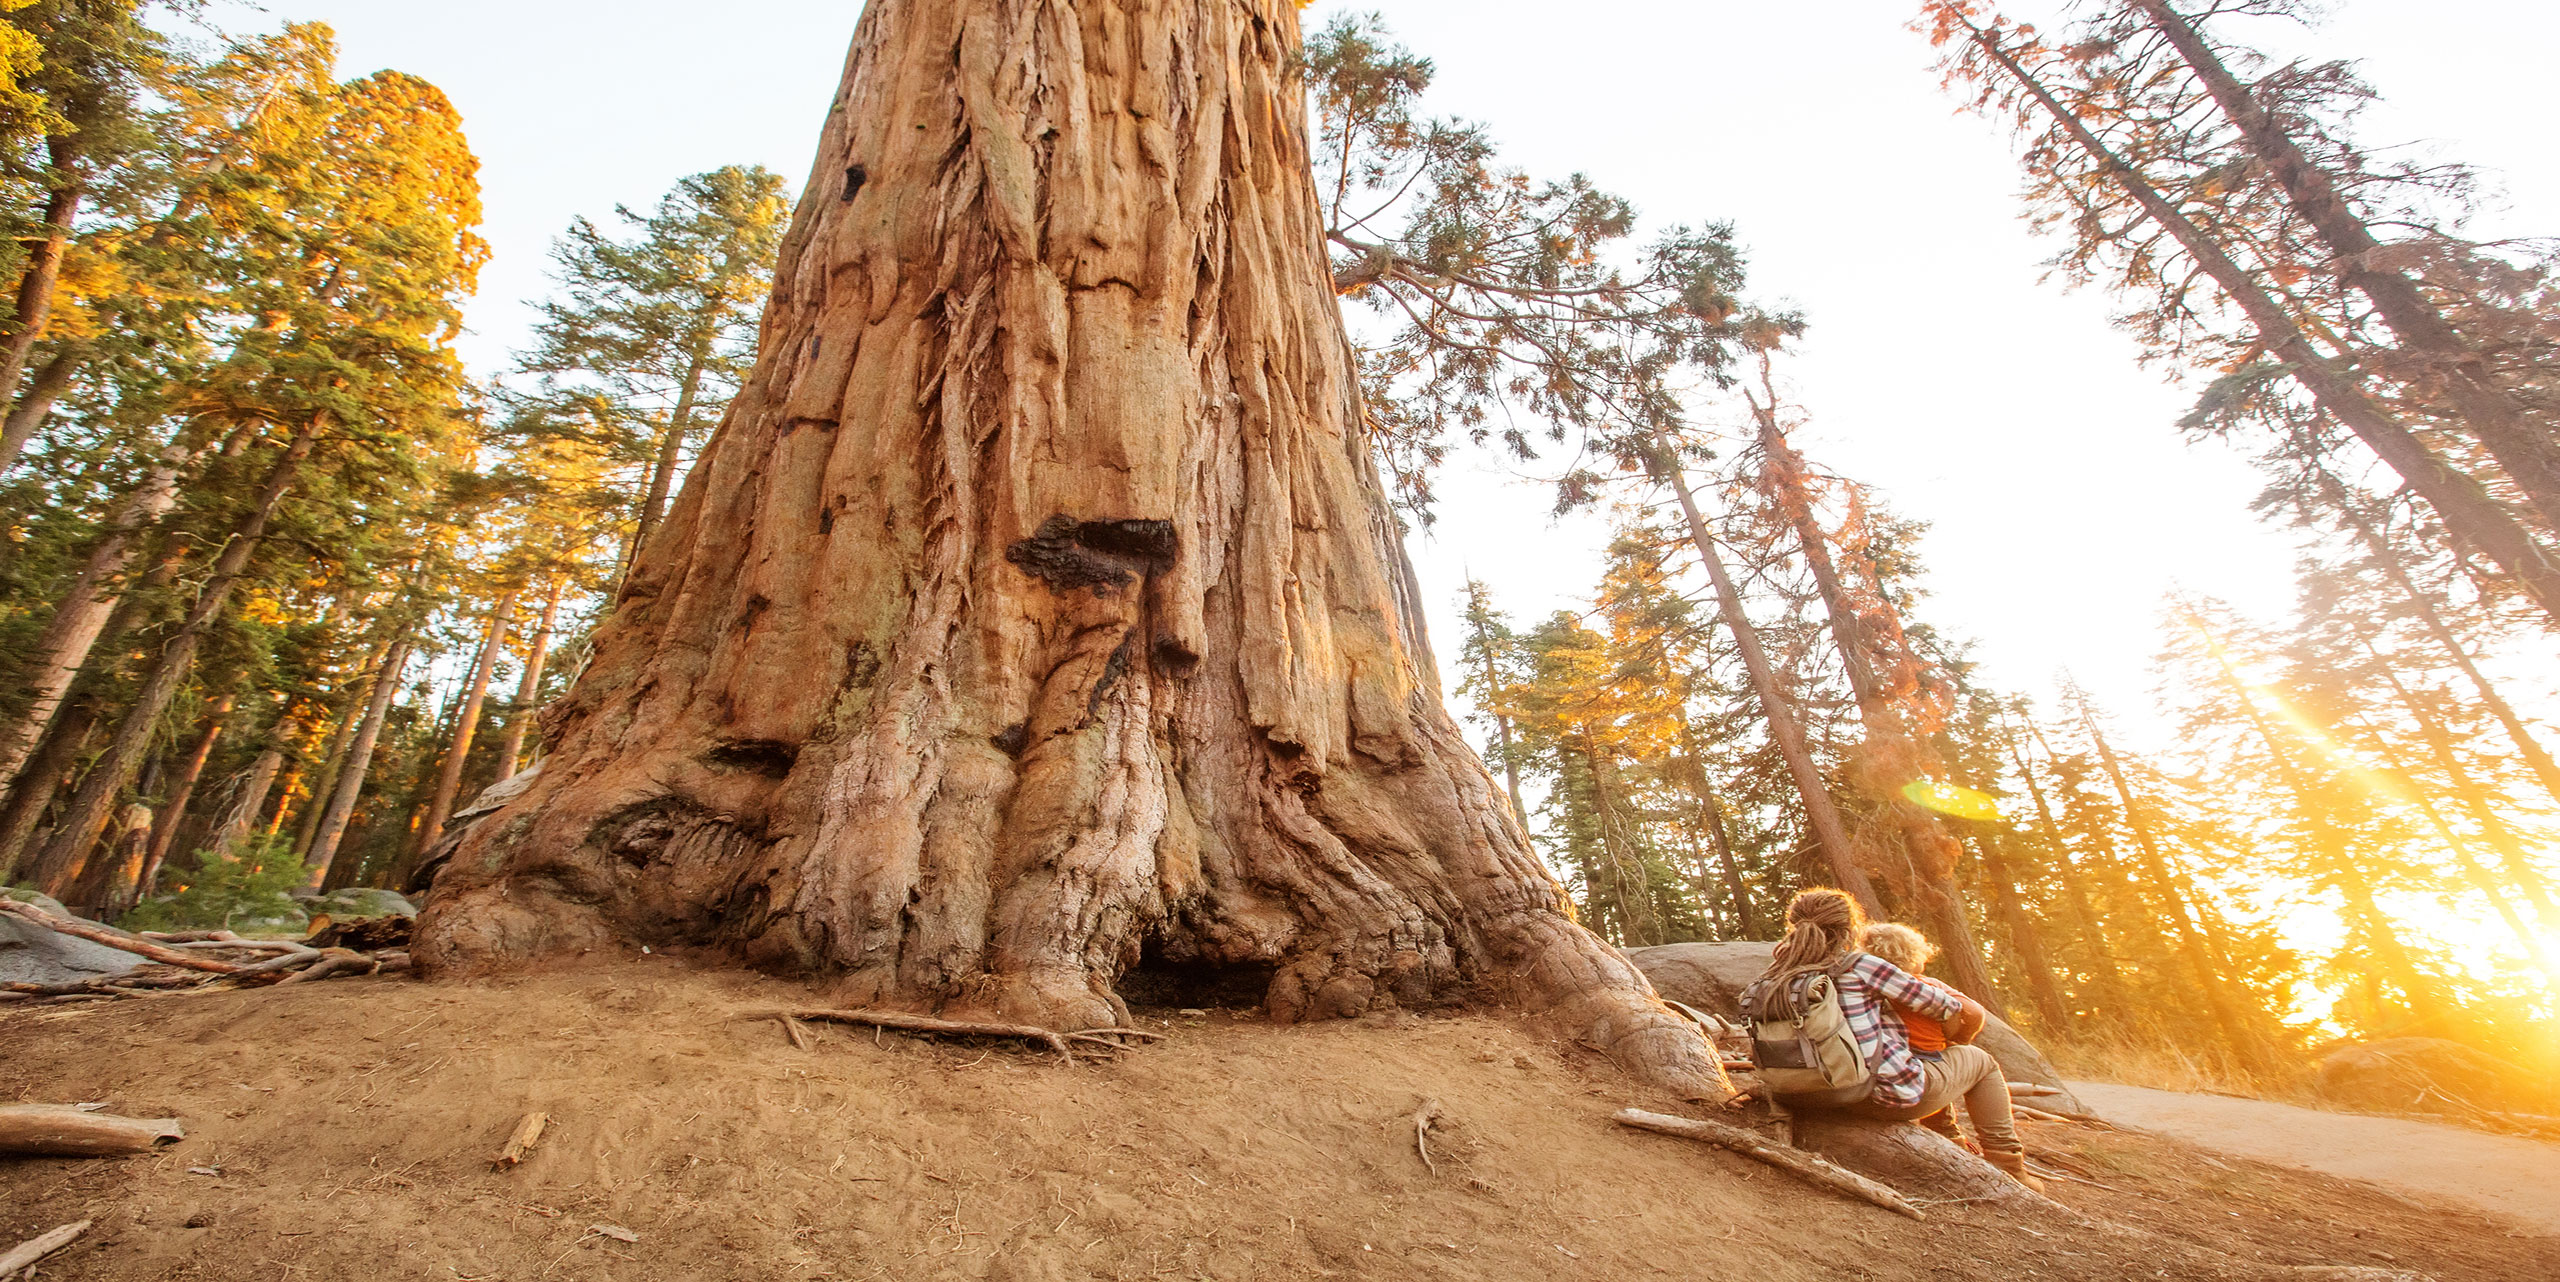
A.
x: 1711, y: 977
x: 2404, y: 1074
x: 30, y: 954
x: 358, y: 902
x: 35, y: 897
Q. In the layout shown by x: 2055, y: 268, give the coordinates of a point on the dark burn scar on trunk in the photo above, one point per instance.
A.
x: 1012, y: 739
x: 861, y: 666
x: 1068, y: 554
x: 1173, y: 658
x: 1113, y: 669
x: 768, y: 757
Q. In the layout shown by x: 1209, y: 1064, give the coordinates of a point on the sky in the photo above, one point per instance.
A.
x: 1940, y: 368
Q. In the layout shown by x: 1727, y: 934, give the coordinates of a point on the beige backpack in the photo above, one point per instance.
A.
x: 1801, y: 1041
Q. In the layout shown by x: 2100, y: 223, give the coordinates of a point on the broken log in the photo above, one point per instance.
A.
x: 1751, y: 1144
x: 55, y: 1130
x: 98, y: 934
x: 519, y: 1145
x: 27, y: 1253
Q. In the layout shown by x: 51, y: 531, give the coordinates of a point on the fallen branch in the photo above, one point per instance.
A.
x: 97, y: 934
x: 906, y: 1023
x: 1804, y: 1166
x: 528, y: 1132
x: 799, y: 1036
x: 53, y: 1130
x: 33, y: 1249
x: 1423, y: 1117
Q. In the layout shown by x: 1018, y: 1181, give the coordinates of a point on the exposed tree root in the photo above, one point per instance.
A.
x: 1423, y: 1117
x: 1805, y: 1166
x: 905, y: 1023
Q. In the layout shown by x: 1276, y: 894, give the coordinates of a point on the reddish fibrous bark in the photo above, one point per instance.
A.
x: 1036, y: 604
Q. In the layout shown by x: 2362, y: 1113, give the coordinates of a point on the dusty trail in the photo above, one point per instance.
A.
x: 346, y: 1130
x: 2504, y: 1174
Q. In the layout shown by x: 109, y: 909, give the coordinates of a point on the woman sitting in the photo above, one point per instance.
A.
x: 1822, y: 931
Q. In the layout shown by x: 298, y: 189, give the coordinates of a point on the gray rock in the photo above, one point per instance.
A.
x: 1711, y: 977
x: 36, y: 897
x: 30, y: 954
x: 283, y: 917
x: 361, y: 901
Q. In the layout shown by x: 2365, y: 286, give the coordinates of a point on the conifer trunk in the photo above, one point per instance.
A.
x: 37, y: 280
x: 61, y: 859
x: 1821, y: 813
x: 36, y: 403
x: 2112, y: 996
x: 2209, y: 981
x: 2527, y: 744
x: 2023, y: 936
x: 80, y: 617
x: 529, y: 687
x: 2527, y: 451
x: 249, y: 795
x: 475, y: 691
x: 1036, y: 610
x: 2523, y: 878
x: 1892, y: 755
x: 2467, y: 509
x: 173, y: 812
x: 349, y: 784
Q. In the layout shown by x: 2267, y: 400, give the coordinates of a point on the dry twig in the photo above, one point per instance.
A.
x: 25, y: 1254
x: 1423, y: 1117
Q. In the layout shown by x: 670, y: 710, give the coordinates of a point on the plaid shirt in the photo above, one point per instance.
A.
x: 1870, y: 987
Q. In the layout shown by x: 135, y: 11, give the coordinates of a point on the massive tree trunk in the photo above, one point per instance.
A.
x: 1036, y: 607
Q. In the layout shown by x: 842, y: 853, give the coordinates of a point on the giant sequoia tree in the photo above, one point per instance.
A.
x: 1036, y: 607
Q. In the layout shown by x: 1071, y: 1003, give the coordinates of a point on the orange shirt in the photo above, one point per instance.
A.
x: 1927, y: 1035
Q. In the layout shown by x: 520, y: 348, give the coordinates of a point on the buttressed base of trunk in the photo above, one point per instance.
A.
x: 1036, y: 606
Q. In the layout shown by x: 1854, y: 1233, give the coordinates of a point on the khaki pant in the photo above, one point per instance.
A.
x: 1967, y: 1073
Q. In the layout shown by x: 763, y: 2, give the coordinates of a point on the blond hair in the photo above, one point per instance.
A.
x: 1899, y: 944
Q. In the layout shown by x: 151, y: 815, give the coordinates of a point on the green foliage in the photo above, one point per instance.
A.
x: 1502, y: 298
x: 252, y: 879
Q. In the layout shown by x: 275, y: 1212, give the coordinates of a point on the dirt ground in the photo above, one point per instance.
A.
x: 351, y: 1124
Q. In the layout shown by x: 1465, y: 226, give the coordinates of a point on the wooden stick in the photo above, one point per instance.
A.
x: 101, y: 935
x: 33, y: 1249
x: 906, y: 1023
x: 1117, y: 1031
x: 799, y: 1036
x: 520, y: 1144
x: 1423, y: 1117
x: 2033, y: 1088
x: 52, y: 1130
x: 1804, y: 1166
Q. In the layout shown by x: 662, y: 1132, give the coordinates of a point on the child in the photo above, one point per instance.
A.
x: 1910, y: 950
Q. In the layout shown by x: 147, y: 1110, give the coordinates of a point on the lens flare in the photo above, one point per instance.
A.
x: 1951, y: 799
